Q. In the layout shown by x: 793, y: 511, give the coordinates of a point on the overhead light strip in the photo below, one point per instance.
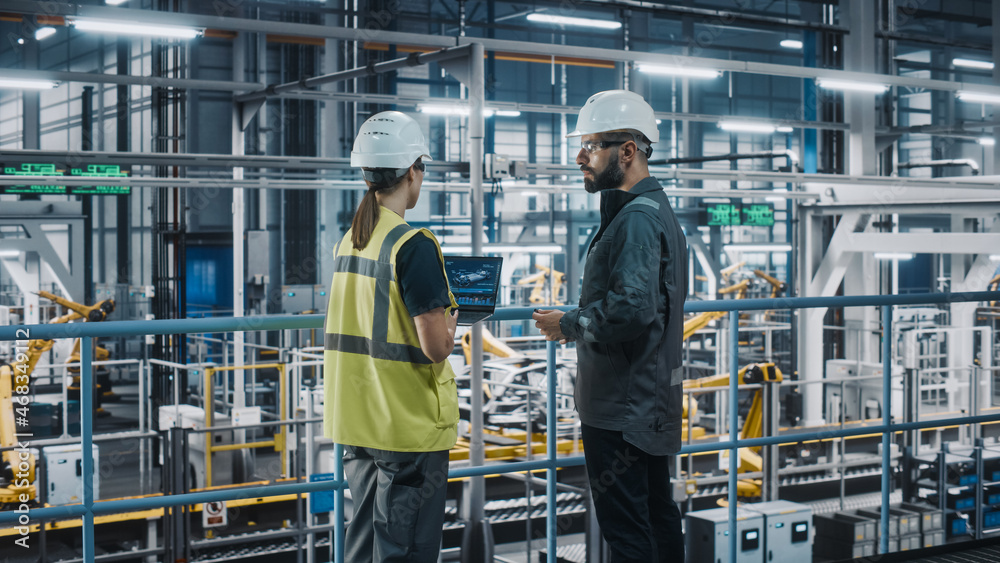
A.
x: 132, y: 28
x: 893, y: 255
x: 763, y: 247
x: 972, y: 63
x: 670, y: 70
x: 852, y: 86
x: 747, y: 126
x: 578, y: 22
x: 977, y: 97
x: 27, y: 83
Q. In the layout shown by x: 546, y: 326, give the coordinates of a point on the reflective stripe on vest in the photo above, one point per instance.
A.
x: 378, y: 346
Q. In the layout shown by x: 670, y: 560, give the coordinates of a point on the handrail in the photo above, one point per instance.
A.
x: 89, y: 509
x: 109, y: 329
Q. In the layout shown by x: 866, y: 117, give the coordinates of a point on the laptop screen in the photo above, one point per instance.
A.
x: 474, y: 280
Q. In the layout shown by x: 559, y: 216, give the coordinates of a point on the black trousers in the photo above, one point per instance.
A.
x: 632, y: 494
x: 399, y: 501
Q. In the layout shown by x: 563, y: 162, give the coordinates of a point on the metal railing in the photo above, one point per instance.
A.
x: 87, y: 332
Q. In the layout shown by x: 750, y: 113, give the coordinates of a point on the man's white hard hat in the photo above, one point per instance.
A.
x: 390, y: 139
x: 616, y: 110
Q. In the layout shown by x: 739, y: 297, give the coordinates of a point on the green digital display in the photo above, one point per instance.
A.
x: 100, y: 171
x: 758, y: 215
x: 737, y: 214
x: 51, y: 169
x: 723, y: 214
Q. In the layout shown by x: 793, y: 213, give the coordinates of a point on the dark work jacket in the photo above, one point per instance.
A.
x: 630, y: 322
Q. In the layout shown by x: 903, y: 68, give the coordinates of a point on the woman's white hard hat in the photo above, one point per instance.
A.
x: 390, y: 139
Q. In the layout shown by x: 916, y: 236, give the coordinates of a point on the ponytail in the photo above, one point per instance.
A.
x: 384, y: 180
x: 365, y: 220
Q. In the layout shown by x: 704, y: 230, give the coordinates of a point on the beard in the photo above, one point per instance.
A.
x: 611, y: 178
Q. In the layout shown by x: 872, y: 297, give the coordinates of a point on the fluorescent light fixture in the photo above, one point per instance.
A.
x: 893, y: 255
x: 980, y: 97
x: 132, y: 28
x: 115, y: 2
x: 971, y: 63
x: 506, y: 248
x: 995, y: 257
x: 27, y: 83
x: 9, y: 253
x: 852, y: 86
x: 791, y: 43
x: 463, y: 110
x: 671, y: 70
x: 986, y: 141
x: 579, y: 22
x: 758, y: 247
x: 43, y: 32
x: 785, y: 129
x: 529, y: 193
x: 747, y: 126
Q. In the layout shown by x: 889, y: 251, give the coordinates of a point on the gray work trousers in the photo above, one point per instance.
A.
x: 399, y: 500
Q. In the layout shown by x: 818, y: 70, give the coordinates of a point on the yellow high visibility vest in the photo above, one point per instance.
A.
x: 381, y: 391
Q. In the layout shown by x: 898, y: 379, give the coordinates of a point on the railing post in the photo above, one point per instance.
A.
x: 551, y: 424
x: 87, y: 443
x: 887, y: 421
x: 734, y: 452
x: 338, y: 504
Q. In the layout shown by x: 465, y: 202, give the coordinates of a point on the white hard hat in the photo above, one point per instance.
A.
x: 614, y: 110
x: 390, y: 139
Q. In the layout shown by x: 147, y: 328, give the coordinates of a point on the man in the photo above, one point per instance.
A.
x: 628, y: 329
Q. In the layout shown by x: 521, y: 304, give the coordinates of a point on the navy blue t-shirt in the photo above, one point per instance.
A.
x: 421, y: 276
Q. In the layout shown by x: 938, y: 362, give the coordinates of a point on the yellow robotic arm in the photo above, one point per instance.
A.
x: 701, y: 320
x: 18, y: 375
x: 536, y: 297
x: 753, y: 425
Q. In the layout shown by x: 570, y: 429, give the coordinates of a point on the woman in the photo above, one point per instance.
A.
x: 390, y: 395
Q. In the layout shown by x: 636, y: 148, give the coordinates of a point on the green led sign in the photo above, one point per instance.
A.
x: 723, y: 214
x: 100, y: 171
x: 49, y: 169
x: 737, y: 214
x: 33, y: 170
x: 758, y: 215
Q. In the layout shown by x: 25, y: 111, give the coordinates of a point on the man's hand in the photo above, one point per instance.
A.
x: 547, y: 321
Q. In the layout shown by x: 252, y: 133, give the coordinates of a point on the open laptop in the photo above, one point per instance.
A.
x: 475, y: 281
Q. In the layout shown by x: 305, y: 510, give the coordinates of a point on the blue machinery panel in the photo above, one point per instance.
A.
x: 89, y: 509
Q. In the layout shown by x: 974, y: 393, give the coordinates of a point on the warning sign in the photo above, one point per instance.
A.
x: 213, y: 514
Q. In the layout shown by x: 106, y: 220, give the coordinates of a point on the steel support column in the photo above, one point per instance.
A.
x: 481, y: 552
x: 238, y: 140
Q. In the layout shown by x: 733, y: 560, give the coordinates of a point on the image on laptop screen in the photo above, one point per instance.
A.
x: 475, y: 281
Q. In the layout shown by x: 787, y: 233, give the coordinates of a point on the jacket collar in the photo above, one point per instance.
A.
x: 612, y: 201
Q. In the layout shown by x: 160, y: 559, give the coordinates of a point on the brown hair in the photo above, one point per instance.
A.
x: 367, y: 215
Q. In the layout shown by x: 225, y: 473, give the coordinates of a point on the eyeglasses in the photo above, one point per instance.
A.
x: 419, y: 165
x: 594, y: 146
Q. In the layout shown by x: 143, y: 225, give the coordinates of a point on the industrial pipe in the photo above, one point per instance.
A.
x: 792, y: 156
x: 948, y: 162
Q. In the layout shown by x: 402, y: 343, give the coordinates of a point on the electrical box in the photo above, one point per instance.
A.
x: 787, y: 531
x: 64, y: 474
x: 497, y: 167
x: 246, y: 416
x: 707, y: 536
x: 296, y: 299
